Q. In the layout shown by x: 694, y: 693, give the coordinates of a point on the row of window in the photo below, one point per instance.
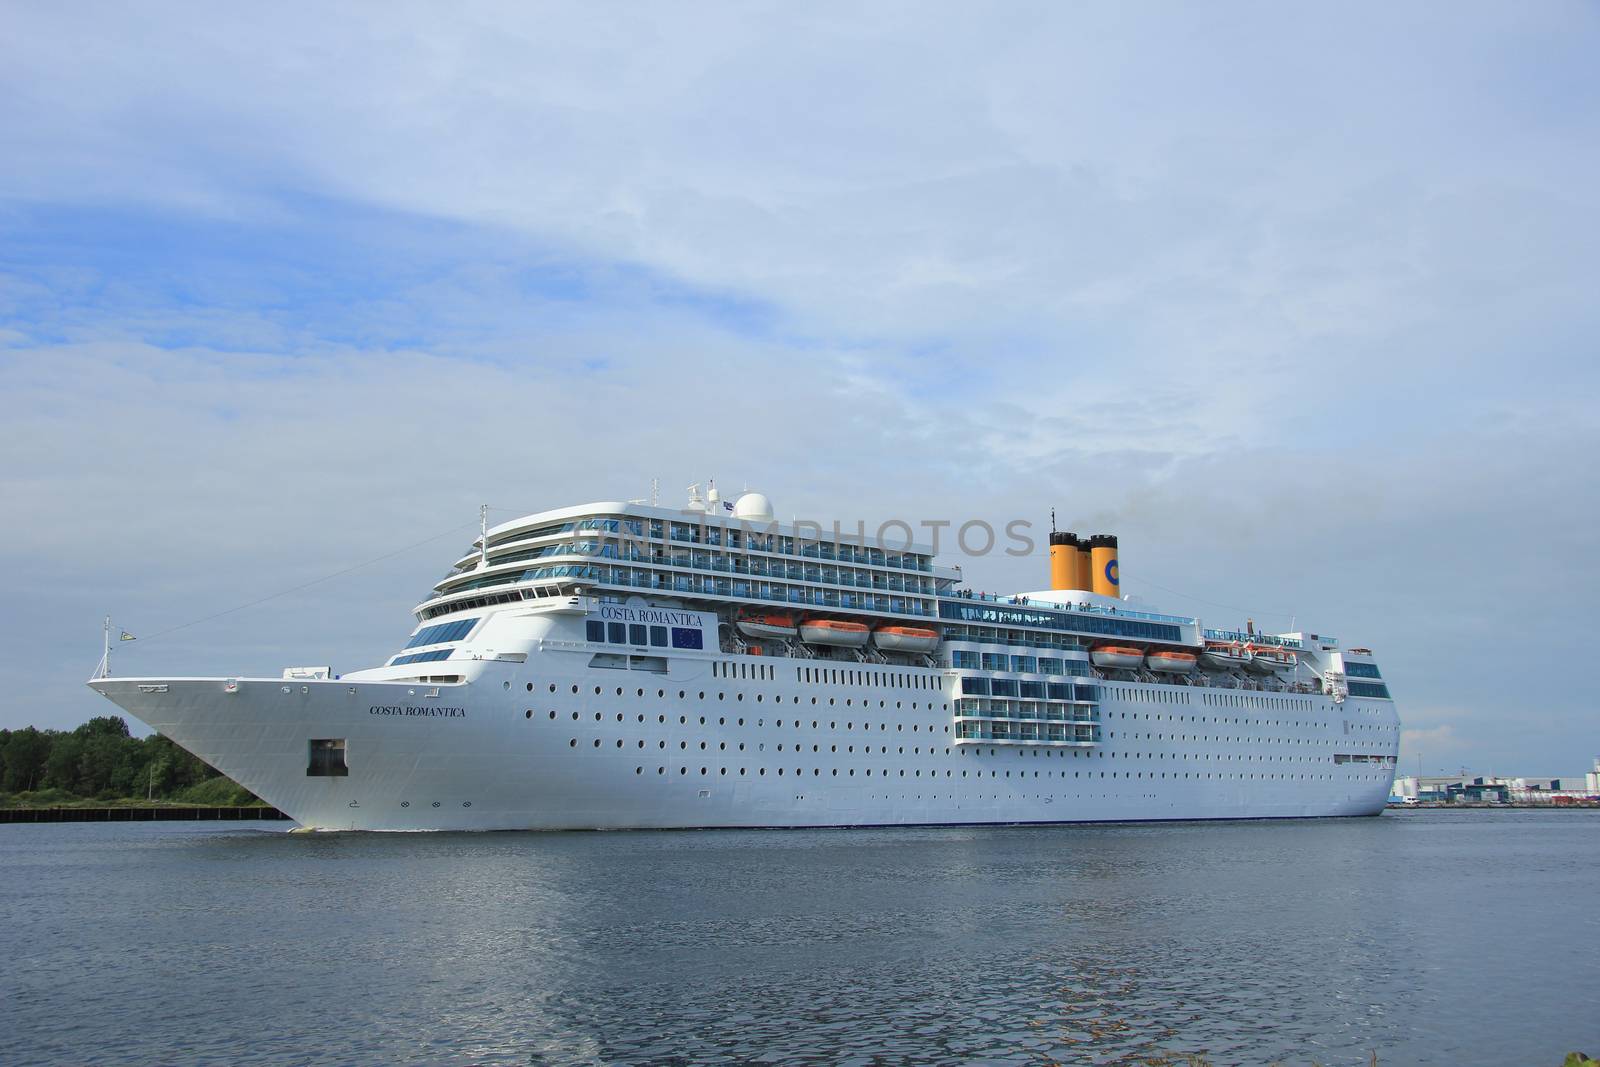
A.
x: 983, y: 708
x: 730, y: 537
x: 994, y: 635
x: 816, y: 772
x: 441, y: 632
x: 966, y: 659
x: 961, y: 610
x: 757, y: 566
x: 1369, y: 689
x: 1027, y: 690
x: 883, y: 727
x: 862, y: 676
x: 661, y: 694
x: 640, y: 635
x: 707, y: 585
x: 422, y: 657
x: 728, y: 669
x: 510, y: 597
x: 608, y: 525
x: 1357, y: 669
x: 1257, y: 700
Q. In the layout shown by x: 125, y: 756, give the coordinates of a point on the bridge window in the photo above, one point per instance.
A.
x: 445, y: 631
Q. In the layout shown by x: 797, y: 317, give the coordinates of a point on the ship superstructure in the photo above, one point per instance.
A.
x: 621, y: 664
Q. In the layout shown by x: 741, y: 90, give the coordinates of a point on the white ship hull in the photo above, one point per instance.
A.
x: 474, y: 758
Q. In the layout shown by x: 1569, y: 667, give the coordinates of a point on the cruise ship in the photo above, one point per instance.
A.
x: 629, y: 665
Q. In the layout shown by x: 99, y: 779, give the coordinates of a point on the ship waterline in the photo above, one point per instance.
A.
x: 565, y: 677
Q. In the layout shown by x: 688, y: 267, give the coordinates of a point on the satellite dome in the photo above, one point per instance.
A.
x: 754, y: 507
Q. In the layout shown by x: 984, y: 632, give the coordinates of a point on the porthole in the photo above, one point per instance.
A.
x: 528, y: 714
x: 466, y: 803
x: 573, y: 743
x: 574, y: 689
x: 405, y: 803
x: 552, y: 687
x: 436, y: 803
x: 530, y: 687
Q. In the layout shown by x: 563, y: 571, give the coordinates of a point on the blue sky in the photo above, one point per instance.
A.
x: 1299, y: 302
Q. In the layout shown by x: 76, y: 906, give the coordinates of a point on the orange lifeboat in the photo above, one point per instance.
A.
x: 1171, y: 662
x: 834, y: 632
x: 905, y: 639
x: 1121, y: 657
x: 769, y: 626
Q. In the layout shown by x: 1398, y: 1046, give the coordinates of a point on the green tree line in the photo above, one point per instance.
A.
x: 101, y: 761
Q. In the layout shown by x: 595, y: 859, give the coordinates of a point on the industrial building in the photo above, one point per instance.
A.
x: 1495, y: 789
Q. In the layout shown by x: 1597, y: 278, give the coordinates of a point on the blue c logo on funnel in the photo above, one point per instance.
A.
x: 1111, y: 572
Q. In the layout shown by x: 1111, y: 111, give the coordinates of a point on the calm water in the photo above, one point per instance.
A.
x: 1429, y: 937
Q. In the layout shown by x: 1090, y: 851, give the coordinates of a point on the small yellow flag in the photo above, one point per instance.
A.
x: 126, y: 636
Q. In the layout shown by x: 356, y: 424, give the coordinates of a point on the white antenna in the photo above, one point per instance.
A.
x: 655, y: 492
x: 105, y: 656
x: 483, y: 534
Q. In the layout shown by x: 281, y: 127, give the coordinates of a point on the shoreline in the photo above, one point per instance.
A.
x: 144, y: 813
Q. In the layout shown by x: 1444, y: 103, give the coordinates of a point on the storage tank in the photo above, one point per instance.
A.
x: 1103, y: 563
x: 1063, y: 560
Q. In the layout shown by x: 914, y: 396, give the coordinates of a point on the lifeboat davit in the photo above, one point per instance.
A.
x: 834, y: 632
x: 770, y: 626
x: 1267, y: 660
x: 1172, y: 662
x: 1119, y: 656
x: 905, y: 639
x: 1222, y: 656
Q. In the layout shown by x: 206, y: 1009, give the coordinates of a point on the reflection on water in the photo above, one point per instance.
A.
x: 1428, y: 937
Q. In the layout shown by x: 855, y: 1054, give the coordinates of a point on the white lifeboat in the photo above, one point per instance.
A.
x: 1120, y: 657
x: 1268, y: 660
x: 1222, y: 656
x: 834, y: 632
x: 1171, y: 662
x: 905, y: 639
x: 769, y: 626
